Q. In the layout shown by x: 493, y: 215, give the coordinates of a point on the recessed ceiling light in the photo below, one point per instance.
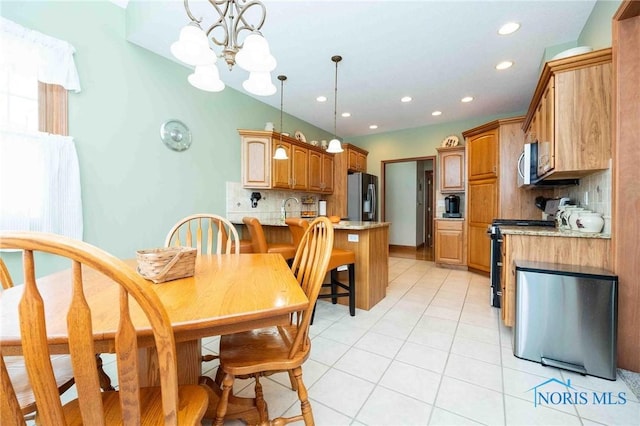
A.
x: 406, y: 99
x: 504, y: 65
x: 346, y: 114
x: 509, y: 28
x: 321, y: 99
x: 436, y: 113
x: 466, y: 99
x: 373, y: 126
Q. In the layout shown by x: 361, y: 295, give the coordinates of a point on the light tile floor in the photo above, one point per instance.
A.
x: 433, y: 352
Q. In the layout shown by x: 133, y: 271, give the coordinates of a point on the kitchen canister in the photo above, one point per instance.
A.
x: 573, y: 217
x: 564, y: 216
x: 590, y: 222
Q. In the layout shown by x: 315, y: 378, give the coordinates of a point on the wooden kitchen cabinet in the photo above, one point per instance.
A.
x: 337, y: 201
x: 320, y: 172
x: 483, y: 149
x: 357, y: 159
x: 452, y: 169
x: 492, y: 191
x: 450, y: 240
x: 260, y: 170
x: 570, y: 116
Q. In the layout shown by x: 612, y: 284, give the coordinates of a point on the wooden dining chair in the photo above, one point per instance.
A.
x: 132, y: 404
x: 339, y: 257
x: 259, y: 241
x: 265, y: 351
x: 61, y: 366
x: 209, y: 233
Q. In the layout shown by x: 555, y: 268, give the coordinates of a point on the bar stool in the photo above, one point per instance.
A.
x: 259, y: 241
x: 339, y: 257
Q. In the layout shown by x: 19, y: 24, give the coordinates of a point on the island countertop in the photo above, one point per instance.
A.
x: 550, y: 232
x: 343, y: 224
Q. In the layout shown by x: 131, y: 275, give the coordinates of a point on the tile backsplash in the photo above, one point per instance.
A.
x: 268, y: 207
x: 593, y: 192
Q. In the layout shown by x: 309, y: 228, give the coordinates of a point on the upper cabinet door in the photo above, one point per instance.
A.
x: 300, y: 168
x: 315, y: 171
x: 451, y: 169
x: 281, y: 169
x: 256, y: 162
x: 483, y: 155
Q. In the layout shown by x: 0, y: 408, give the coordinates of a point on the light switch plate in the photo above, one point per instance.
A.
x: 353, y: 238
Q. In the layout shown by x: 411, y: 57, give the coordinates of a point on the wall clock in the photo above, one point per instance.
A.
x: 175, y: 135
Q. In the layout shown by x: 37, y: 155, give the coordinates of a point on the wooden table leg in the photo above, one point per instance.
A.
x: 189, y: 356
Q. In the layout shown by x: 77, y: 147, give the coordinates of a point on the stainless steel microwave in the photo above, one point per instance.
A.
x: 528, y: 165
x: 528, y: 170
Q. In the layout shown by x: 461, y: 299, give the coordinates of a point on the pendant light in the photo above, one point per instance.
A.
x: 281, y: 153
x: 334, y: 144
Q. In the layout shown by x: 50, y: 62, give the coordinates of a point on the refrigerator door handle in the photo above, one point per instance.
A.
x: 371, y: 195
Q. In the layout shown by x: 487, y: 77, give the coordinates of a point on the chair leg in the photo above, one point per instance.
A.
x: 313, y: 313
x: 260, y: 403
x: 307, y: 414
x: 105, y: 380
x: 221, y: 410
x: 334, y: 288
x: 292, y: 380
x: 352, y: 289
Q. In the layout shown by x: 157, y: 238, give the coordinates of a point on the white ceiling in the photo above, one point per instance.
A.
x: 434, y: 51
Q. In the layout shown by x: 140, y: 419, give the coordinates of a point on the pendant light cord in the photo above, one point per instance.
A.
x: 336, y: 59
x: 282, y: 78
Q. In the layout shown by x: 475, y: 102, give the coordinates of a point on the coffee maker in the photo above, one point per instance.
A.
x: 452, y: 206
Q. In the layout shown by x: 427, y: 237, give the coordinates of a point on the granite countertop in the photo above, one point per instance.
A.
x: 450, y: 218
x: 343, y: 224
x: 549, y: 232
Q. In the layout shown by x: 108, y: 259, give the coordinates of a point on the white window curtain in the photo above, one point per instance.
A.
x: 39, y: 173
x: 40, y: 184
x: 53, y: 58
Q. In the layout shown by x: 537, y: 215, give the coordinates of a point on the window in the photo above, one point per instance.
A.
x: 39, y: 173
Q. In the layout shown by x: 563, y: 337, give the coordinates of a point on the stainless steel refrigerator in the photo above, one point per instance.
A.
x: 362, y: 197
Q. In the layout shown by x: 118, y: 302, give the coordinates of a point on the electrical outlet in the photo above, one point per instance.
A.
x: 585, y: 198
x: 353, y: 238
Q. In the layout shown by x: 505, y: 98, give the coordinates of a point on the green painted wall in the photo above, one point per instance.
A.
x: 134, y: 188
x: 597, y: 31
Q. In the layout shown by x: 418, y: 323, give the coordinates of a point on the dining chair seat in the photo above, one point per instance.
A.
x: 259, y: 241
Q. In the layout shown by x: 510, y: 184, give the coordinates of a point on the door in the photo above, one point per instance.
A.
x: 428, y: 208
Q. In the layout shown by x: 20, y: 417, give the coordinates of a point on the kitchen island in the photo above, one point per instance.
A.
x: 542, y: 244
x: 370, y: 243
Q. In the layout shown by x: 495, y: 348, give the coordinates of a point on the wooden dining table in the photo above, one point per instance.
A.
x: 227, y: 294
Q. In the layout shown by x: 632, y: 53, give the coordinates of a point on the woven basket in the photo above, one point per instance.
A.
x: 165, y: 264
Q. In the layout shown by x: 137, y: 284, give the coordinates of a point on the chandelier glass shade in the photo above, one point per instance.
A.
x: 335, y: 146
x: 253, y: 55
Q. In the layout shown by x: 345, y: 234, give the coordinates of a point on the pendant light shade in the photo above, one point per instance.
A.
x: 334, y: 144
x: 281, y: 153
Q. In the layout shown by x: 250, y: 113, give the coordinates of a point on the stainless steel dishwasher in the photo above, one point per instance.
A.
x: 566, y: 317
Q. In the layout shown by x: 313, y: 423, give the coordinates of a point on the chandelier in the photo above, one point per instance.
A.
x: 252, y: 55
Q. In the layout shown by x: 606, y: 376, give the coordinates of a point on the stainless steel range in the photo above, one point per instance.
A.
x: 495, y: 295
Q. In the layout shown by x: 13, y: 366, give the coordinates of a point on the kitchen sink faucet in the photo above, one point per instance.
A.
x: 283, y: 209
